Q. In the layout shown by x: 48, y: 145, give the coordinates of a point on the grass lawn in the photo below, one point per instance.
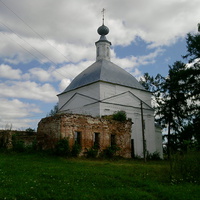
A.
x: 39, y: 176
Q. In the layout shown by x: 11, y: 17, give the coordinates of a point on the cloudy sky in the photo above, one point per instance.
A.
x: 45, y: 44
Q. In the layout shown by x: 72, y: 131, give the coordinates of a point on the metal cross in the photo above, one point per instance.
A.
x: 103, y: 12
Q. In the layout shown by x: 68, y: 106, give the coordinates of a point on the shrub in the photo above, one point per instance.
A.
x: 137, y: 157
x: 30, y: 131
x: 119, y: 116
x: 1, y: 142
x: 153, y: 156
x: 76, y: 149
x: 32, y: 147
x: 92, y: 152
x: 110, y: 152
x: 34, y: 144
x: 19, y: 146
x: 62, y: 147
x: 185, y: 168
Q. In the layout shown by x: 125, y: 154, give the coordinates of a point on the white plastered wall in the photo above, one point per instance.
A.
x: 77, y: 101
x: 117, y: 98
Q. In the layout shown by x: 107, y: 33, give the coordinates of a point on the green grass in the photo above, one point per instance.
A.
x: 39, y: 176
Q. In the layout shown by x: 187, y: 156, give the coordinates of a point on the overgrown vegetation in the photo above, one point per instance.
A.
x: 53, y: 111
x: 20, y: 146
x: 62, y: 148
x: 76, y: 149
x: 185, y: 168
x: 30, y: 131
x: 92, y: 152
x: 119, y: 116
x: 153, y: 156
x: 110, y: 152
x: 40, y: 176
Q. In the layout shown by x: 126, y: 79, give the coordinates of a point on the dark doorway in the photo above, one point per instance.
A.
x: 112, y: 140
x: 96, y: 140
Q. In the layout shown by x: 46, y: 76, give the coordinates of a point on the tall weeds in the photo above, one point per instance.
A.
x: 185, y: 168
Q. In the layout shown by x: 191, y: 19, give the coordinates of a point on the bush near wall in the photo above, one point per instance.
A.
x: 17, y: 140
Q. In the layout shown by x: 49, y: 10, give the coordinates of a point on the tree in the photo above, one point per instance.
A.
x: 172, y: 109
x: 30, y: 130
x: 193, y: 47
x: 53, y: 111
x: 192, y: 77
x: 177, y: 97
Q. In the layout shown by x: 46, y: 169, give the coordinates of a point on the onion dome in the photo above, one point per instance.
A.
x: 103, y: 30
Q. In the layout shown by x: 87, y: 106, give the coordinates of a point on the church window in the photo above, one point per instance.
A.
x: 96, y: 140
x: 78, y: 138
x: 112, y: 140
x: 108, y: 51
x: 97, y: 51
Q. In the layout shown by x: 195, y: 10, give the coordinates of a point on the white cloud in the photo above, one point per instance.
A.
x: 16, y: 114
x: 150, y: 58
x: 15, y: 49
x: 137, y: 73
x: 131, y: 62
x: 7, y: 72
x: 39, y: 74
x: 69, y: 33
x: 28, y: 90
x: 157, y: 21
x: 63, y: 84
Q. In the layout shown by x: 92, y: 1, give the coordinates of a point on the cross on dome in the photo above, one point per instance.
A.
x: 103, y: 11
x: 103, y: 30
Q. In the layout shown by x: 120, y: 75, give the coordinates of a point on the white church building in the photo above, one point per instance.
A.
x: 104, y: 88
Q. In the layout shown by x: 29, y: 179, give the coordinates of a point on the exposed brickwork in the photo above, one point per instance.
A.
x: 51, y: 129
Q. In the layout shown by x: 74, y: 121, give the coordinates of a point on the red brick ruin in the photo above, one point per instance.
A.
x: 87, y: 131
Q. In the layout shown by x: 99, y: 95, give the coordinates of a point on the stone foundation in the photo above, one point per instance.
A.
x: 86, y: 130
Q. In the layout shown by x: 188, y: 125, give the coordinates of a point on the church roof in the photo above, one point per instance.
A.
x: 103, y: 69
x: 106, y: 71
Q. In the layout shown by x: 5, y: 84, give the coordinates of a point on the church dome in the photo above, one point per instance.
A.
x: 106, y: 71
x: 103, y: 69
x: 103, y: 30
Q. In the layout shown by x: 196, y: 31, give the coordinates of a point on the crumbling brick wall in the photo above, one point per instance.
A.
x: 51, y: 129
x: 6, y: 138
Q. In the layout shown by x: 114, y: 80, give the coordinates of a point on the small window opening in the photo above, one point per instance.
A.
x: 78, y: 138
x: 112, y: 140
x: 96, y: 140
